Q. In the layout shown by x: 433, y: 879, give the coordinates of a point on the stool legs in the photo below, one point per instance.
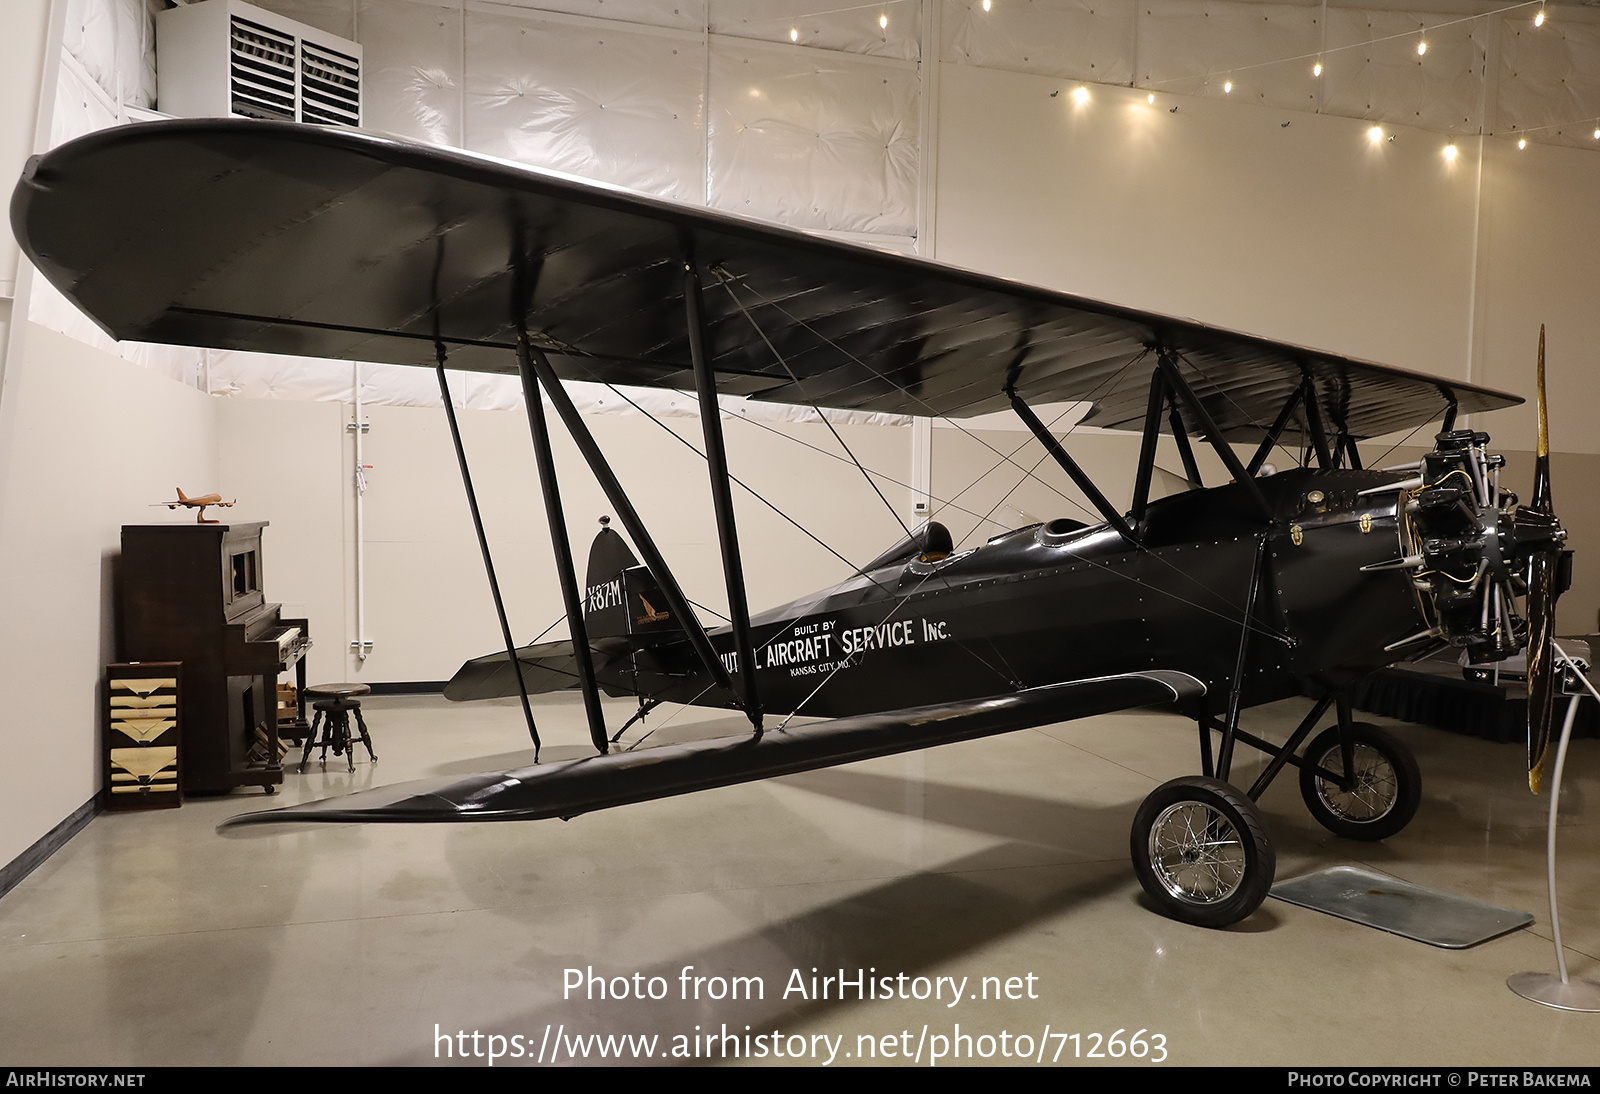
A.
x: 311, y: 740
x: 333, y: 719
x: 366, y: 738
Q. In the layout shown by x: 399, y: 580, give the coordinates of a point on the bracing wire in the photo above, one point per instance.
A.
x: 727, y: 283
x: 1247, y: 623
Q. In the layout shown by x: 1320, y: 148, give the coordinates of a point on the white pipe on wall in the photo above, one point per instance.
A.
x: 360, y: 644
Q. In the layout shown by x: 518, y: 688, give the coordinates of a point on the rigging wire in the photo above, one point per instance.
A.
x: 783, y: 632
x: 727, y: 283
x: 1240, y: 620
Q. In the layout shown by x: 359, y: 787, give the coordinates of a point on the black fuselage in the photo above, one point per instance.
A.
x: 1064, y: 601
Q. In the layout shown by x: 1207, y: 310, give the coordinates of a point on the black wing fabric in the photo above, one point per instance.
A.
x: 308, y: 240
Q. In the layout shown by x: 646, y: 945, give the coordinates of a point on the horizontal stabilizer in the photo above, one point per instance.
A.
x: 573, y: 787
x: 549, y: 666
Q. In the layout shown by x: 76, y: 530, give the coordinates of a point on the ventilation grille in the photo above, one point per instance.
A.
x: 261, y: 71
x: 262, y: 77
x: 330, y: 86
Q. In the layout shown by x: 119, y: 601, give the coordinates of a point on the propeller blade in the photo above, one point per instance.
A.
x: 1541, y: 463
x: 1541, y: 661
x: 1539, y: 519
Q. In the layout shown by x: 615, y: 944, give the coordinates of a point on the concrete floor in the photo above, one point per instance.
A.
x: 149, y: 940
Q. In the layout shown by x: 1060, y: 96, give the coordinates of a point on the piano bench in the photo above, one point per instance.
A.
x: 334, y: 704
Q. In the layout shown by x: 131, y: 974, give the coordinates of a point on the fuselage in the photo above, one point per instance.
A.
x: 1066, y: 601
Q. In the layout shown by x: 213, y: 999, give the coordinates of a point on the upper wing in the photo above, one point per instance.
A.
x: 571, y: 787
x: 326, y: 242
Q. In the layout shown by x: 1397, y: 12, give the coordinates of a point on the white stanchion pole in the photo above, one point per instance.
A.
x: 1559, y: 990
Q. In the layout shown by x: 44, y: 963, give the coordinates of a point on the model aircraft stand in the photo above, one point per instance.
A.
x: 1559, y: 990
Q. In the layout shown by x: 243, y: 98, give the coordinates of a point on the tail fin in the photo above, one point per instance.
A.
x: 628, y: 626
x: 622, y: 596
x: 181, y: 496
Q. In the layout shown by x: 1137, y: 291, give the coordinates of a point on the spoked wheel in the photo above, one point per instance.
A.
x: 1201, y: 852
x: 1384, y: 794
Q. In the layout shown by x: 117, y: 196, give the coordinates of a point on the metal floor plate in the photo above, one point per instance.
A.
x: 1389, y: 904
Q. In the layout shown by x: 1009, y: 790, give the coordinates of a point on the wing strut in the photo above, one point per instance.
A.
x: 1069, y: 465
x: 1147, y: 448
x: 1271, y: 439
x: 1181, y: 389
x: 483, y: 547
x: 1319, y: 436
x: 677, y: 603
x: 705, y: 383
x: 562, y: 545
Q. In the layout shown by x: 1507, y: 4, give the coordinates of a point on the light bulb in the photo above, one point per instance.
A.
x: 986, y: 4
x: 1081, y: 95
x: 1316, y: 69
x: 883, y: 22
x: 1375, y: 134
x: 1227, y: 87
x: 1422, y: 47
x: 1450, y: 152
x: 1538, y: 20
x: 1151, y: 98
x: 1597, y: 134
x: 794, y: 34
x: 1522, y: 143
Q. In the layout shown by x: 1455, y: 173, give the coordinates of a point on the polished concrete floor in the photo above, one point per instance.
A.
x: 150, y: 940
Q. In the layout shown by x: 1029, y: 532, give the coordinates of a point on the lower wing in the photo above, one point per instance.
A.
x: 572, y: 787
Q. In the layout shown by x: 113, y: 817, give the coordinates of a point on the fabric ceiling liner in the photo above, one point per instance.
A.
x: 279, y: 238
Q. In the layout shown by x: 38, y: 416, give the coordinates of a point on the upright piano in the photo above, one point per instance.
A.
x: 193, y: 593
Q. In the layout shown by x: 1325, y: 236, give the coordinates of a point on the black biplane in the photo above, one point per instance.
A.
x: 321, y: 242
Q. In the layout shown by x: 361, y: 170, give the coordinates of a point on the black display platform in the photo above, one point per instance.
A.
x: 1433, y: 692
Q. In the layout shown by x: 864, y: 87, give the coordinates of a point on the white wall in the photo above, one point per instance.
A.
x: 87, y: 443
x: 428, y: 604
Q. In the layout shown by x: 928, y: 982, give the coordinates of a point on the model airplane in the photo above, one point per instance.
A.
x: 266, y: 236
x: 202, y: 503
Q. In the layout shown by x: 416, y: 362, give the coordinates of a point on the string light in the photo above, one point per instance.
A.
x: 1450, y: 152
x: 794, y: 34
x: 1151, y: 99
x: 1538, y: 20
x: 1375, y: 134
x: 1422, y: 46
x: 1522, y: 142
x: 1316, y: 69
x: 1597, y: 134
x: 1227, y: 87
x: 1081, y: 95
x: 987, y: 4
x: 883, y: 22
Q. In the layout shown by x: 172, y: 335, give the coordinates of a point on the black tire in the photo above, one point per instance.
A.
x: 1388, y: 784
x: 1201, y: 852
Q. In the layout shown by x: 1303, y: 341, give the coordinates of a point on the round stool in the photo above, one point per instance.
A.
x: 334, y: 703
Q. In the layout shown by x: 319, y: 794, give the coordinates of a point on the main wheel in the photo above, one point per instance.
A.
x: 1384, y: 795
x: 1201, y: 852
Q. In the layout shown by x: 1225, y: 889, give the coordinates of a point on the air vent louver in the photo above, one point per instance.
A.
x: 260, y: 71
x: 330, y: 86
x: 228, y: 57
